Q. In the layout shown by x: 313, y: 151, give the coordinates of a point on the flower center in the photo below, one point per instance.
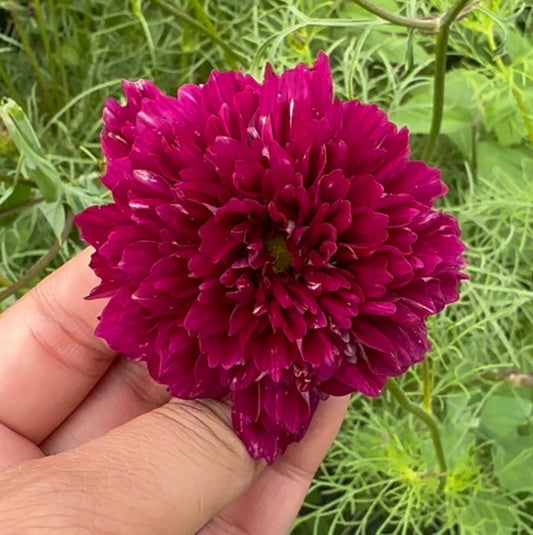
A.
x: 277, y: 247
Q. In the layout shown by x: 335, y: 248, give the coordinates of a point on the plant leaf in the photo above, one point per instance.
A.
x: 34, y: 163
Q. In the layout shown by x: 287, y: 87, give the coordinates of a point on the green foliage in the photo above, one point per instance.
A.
x: 60, y: 59
x: 35, y: 166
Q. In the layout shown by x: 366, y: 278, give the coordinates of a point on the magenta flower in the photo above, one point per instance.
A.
x: 267, y: 244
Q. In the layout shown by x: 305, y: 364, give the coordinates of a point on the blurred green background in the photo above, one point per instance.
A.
x: 60, y: 59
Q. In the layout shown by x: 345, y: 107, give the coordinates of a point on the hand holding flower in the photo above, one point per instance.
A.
x: 121, y: 457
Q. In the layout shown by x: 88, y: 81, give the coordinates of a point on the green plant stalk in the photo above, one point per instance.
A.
x: 517, y: 94
x: 20, y: 180
x: 41, y: 263
x: 202, y: 16
x: 519, y: 97
x: 88, y: 13
x: 426, y: 381
x: 232, y: 57
x: 431, y: 25
x: 4, y: 282
x: 136, y: 9
x: 20, y: 208
x: 185, y: 49
x: 44, y: 38
x: 398, y: 394
x: 440, y: 75
x: 57, y: 44
x: 13, y: 92
x: 307, y: 55
x: 473, y: 155
x: 34, y: 61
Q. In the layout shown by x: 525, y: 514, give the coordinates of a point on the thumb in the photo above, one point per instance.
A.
x: 168, y: 471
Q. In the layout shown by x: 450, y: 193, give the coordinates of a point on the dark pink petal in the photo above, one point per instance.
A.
x: 273, y: 354
x: 368, y: 334
x: 118, y: 180
x: 310, y: 89
x: 119, y: 239
x: 354, y: 378
x: 121, y: 317
x: 119, y: 121
x: 261, y: 444
x: 365, y: 191
x: 97, y: 222
x: 246, y: 406
x: 225, y: 351
x: 221, y: 88
x: 378, y: 308
x: 318, y: 349
x: 149, y: 184
x: 417, y: 179
x: 217, y: 240
x: 182, y: 367
x: 289, y: 320
x: 368, y: 229
x: 138, y: 258
x: 286, y: 406
x: 333, y: 186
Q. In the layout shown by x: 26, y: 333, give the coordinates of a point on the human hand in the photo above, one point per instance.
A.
x: 90, y: 444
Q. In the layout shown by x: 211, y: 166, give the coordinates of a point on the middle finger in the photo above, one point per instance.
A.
x: 125, y: 392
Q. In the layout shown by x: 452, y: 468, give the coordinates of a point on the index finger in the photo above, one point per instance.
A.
x: 50, y: 358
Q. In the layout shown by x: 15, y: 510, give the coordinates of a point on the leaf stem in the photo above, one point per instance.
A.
x: 398, y: 394
x: 232, y: 57
x: 20, y: 180
x: 136, y: 8
x: 519, y: 97
x: 12, y: 90
x: 59, y: 50
x: 517, y: 94
x: 32, y: 56
x: 41, y: 263
x: 20, y: 208
x: 426, y: 379
x: 440, y: 74
x: 202, y: 16
x: 431, y: 25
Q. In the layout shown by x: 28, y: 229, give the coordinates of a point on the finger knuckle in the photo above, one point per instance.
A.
x: 207, y: 426
x: 74, y: 347
x: 136, y: 376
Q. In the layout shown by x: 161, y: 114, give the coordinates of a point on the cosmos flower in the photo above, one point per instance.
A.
x: 267, y: 244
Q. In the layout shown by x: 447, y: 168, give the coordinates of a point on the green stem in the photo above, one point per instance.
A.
x: 28, y: 49
x: 431, y: 25
x: 440, y: 75
x: 58, y: 49
x: 20, y: 208
x: 40, y: 264
x: 232, y: 57
x: 517, y: 94
x: 427, y: 419
x: 426, y: 378
x: 136, y: 8
x: 13, y: 92
x: 44, y: 37
x: 202, y: 16
x: 21, y: 181
x: 519, y: 97
x: 473, y: 155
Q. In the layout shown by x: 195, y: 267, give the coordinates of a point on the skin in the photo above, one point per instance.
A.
x: 89, y: 444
